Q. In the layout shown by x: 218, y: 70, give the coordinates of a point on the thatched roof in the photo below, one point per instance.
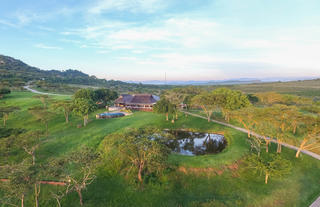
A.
x: 137, y: 99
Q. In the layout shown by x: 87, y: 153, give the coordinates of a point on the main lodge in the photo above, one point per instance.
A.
x: 141, y: 102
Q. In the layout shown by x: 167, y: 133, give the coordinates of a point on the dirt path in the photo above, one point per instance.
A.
x: 316, y: 203
x: 42, y: 93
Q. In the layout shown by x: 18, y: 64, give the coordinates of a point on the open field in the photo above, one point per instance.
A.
x: 210, y: 180
x: 308, y: 88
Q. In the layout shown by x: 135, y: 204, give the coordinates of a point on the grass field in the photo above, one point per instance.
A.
x: 309, y: 88
x: 195, y: 185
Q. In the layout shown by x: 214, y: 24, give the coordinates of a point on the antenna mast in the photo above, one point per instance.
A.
x: 165, y: 78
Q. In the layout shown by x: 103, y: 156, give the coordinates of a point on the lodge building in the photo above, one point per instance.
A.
x: 141, y: 102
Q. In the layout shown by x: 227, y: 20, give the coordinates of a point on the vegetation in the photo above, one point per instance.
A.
x: 4, y: 91
x: 5, y: 112
x: 137, y: 151
x: 163, y: 106
x: 221, y: 99
x: 68, y: 156
x: 268, y: 165
x: 83, y: 107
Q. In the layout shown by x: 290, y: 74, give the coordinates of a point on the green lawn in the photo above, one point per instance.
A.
x: 231, y: 188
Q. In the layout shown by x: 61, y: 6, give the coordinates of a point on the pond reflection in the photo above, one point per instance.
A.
x: 195, y: 143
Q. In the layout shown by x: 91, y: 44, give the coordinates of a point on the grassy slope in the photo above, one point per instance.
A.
x: 176, y: 189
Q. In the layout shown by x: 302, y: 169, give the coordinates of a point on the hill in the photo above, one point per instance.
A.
x: 15, y: 70
x: 15, y: 73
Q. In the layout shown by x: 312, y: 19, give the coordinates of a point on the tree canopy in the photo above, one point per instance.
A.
x: 137, y: 152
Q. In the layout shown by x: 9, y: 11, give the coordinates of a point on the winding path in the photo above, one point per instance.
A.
x: 42, y: 93
x: 316, y: 203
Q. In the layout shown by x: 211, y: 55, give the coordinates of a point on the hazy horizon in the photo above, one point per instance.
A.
x: 144, y: 39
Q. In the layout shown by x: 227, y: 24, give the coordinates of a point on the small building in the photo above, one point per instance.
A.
x: 141, y: 102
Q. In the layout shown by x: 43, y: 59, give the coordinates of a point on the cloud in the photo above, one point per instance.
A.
x: 43, y: 46
x: 7, y: 23
x: 160, y: 35
x: 145, y: 6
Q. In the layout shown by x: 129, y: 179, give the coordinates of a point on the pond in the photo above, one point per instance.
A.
x: 195, y: 143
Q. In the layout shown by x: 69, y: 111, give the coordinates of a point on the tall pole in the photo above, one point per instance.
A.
x: 165, y: 78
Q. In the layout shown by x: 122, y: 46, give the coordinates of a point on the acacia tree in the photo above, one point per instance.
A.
x: 82, y: 107
x: 42, y: 115
x: 26, y: 174
x: 268, y: 165
x: 208, y: 102
x: 20, y: 178
x: 231, y: 100
x: 76, y: 170
x: 44, y: 100
x: 5, y: 111
x: 247, y: 117
x: 66, y: 106
x: 189, y: 92
x: 29, y: 142
x: 311, y: 139
x: 137, y: 151
x: 280, y: 119
x: 180, y: 96
x: 163, y: 106
x: 265, y: 129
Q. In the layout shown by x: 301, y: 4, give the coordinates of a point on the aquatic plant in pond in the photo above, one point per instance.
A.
x: 195, y: 143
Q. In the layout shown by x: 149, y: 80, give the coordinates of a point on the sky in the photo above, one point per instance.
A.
x: 144, y: 39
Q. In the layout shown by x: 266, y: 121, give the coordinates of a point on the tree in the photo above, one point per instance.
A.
x: 44, y: 100
x: 20, y: 179
x: 84, y: 94
x: 77, y: 170
x: 280, y: 118
x: 265, y: 129
x: 42, y: 115
x: 311, y: 139
x: 4, y: 91
x: 255, y: 144
x: 104, y: 95
x: 27, y: 174
x: 231, y: 100
x: 176, y: 98
x: 268, y: 165
x: 208, y: 102
x: 29, y: 142
x: 138, y: 151
x: 269, y: 98
x: 189, y: 92
x: 163, y: 107
x: 82, y: 107
x: 5, y: 111
x: 247, y: 117
x: 66, y: 106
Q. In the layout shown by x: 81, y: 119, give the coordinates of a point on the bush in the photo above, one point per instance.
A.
x: 6, y: 132
x: 4, y: 91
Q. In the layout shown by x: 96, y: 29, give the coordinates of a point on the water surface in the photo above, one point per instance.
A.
x: 196, y: 143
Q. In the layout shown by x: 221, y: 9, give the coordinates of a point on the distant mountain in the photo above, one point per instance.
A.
x: 193, y: 82
x: 223, y: 82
